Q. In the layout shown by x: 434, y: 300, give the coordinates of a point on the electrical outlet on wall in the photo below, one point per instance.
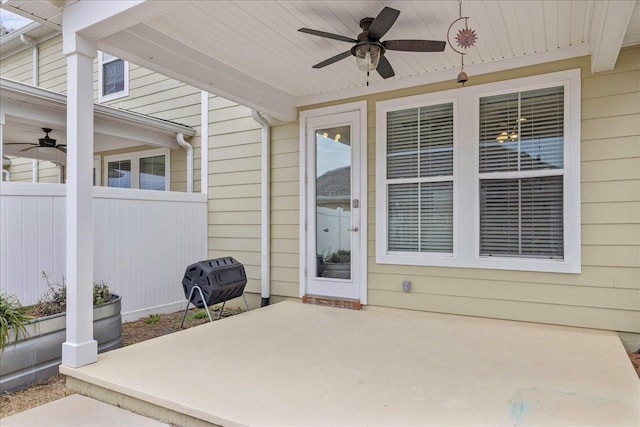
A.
x: 406, y: 286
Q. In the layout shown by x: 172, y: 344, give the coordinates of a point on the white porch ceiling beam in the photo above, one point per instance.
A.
x: 152, y: 49
x: 608, y: 27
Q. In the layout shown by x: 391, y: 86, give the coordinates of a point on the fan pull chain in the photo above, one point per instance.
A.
x: 367, y: 78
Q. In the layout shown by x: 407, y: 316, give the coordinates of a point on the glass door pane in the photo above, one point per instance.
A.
x: 333, y: 202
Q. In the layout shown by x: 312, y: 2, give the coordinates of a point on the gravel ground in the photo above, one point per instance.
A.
x: 132, y: 332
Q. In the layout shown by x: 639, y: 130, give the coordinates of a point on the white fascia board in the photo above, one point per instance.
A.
x: 152, y: 49
x: 608, y: 27
x: 444, y: 75
x: 98, y: 19
x: 38, y: 20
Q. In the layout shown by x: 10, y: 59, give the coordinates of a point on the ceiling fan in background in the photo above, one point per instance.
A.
x: 46, y: 142
x: 369, y: 50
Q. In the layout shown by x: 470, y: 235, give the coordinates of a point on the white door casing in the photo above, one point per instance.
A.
x: 350, y: 116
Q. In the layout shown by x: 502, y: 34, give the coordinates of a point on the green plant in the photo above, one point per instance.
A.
x: 101, y: 293
x: 340, y: 256
x: 54, y: 300
x: 12, y: 318
x: 152, y: 319
x: 198, y: 314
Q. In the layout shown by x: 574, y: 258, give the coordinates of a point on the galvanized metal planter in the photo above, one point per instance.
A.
x: 37, y: 356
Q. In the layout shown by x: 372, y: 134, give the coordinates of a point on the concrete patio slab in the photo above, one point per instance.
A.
x: 78, y: 411
x: 291, y: 364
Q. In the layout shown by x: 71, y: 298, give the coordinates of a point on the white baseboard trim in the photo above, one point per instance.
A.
x: 130, y: 316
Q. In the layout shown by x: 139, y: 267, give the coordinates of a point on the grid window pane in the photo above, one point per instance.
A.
x: 522, y: 217
x: 522, y: 131
x: 112, y: 77
x: 420, y: 148
x: 119, y: 174
x: 152, y: 173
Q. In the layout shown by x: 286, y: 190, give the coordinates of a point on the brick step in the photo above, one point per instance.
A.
x: 352, y: 304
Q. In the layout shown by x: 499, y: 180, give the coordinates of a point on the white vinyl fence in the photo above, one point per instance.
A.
x: 333, y: 230
x: 143, y: 241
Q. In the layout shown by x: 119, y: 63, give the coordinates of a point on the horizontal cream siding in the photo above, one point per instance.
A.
x: 606, y: 294
x: 21, y: 170
x: 285, y: 201
x: 53, y: 65
x: 234, y: 187
x: 18, y: 67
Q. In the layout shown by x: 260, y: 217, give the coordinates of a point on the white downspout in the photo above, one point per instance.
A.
x: 35, y: 164
x: 189, y: 148
x: 265, y: 207
x: 7, y: 175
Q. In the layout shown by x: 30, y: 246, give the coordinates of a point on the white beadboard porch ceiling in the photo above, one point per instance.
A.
x: 256, y: 43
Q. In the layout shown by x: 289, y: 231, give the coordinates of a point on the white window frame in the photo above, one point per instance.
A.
x: 135, y: 157
x: 110, y: 97
x: 98, y: 170
x: 466, y: 177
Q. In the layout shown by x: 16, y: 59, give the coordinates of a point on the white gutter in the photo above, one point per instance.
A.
x: 189, y: 148
x: 265, y: 207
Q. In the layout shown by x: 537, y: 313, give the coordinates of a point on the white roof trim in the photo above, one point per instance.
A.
x: 444, y: 75
x: 607, y: 33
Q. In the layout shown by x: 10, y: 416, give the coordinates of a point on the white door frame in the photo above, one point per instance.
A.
x: 361, y: 108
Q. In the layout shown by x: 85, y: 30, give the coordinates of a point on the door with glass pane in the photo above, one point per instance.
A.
x: 333, y: 209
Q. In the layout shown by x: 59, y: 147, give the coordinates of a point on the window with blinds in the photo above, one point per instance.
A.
x: 113, y: 77
x: 420, y: 179
x: 152, y: 173
x: 521, y: 165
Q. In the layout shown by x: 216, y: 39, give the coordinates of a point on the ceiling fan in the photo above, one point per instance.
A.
x: 46, y: 142
x: 369, y: 50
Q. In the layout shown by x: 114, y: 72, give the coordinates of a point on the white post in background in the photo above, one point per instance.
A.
x: 1, y: 150
x: 204, y: 142
x: 80, y: 348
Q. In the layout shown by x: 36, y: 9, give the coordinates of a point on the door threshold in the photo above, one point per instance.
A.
x: 352, y: 304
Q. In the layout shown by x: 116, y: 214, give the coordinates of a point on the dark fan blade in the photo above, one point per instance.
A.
x: 30, y: 148
x: 415, y: 45
x: 328, y: 35
x: 64, y: 150
x: 333, y: 59
x: 383, y: 22
x: 20, y: 143
x: 384, y: 68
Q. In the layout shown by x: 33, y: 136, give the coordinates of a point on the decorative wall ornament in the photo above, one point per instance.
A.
x: 465, y: 38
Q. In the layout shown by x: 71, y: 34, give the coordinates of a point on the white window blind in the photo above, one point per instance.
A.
x: 152, y: 173
x: 521, y: 174
x: 112, y: 77
x: 420, y: 179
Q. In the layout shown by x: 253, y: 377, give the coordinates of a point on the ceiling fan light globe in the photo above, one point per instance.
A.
x: 367, y: 56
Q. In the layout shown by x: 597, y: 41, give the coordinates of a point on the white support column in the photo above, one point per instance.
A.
x: 80, y: 348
